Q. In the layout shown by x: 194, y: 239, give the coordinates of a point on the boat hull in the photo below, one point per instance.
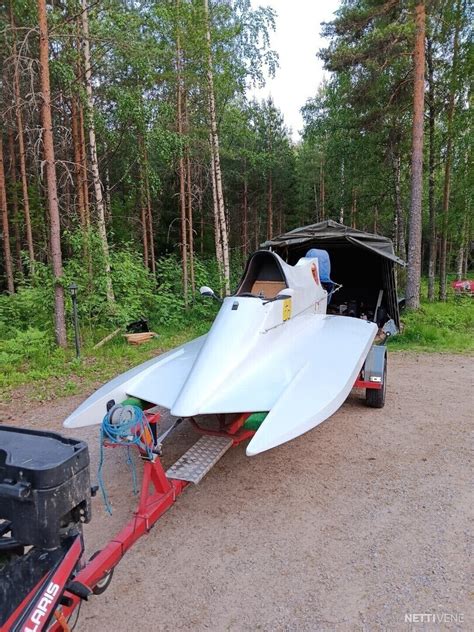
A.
x: 301, y: 372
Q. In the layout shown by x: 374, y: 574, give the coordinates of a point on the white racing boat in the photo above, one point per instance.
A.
x: 272, y: 348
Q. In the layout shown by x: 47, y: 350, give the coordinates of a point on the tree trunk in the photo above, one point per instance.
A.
x: 13, y: 178
x: 414, y: 233
x: 341, y: 194
x: 217, y: 232
x: 85, y: 180
x: 108, y: 198
x: 144, y: 224
x: 431, y: 173
x: 316, y: 202
x: 5, y: 226
x: 219, y: 206
x: 376, y: 219
x: 149, y: 214
x: 200, y: 211
x: 270, y: 206
x: 93, y: 151
x: 77, y: 162
x: 190, y: 219
x: 322, y: 190
x: 143, y: 206
x: 189, y: 191
x: 399, y: 215
x: 182, y: 206
x: 354, y: 208
x: 460, y: 261
x: 245, y: 207
x: 181, y: 168
x: 48, y: 147
x: 21, y: 146
x: 256, y: 224
x: 448, y: 157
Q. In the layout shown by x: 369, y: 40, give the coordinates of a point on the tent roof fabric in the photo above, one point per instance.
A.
x: 332, y: 231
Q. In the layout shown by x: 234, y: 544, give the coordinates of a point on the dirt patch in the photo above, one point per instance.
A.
x: 361, y: 521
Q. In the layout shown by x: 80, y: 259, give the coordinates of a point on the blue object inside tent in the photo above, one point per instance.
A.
x: 324, y: 265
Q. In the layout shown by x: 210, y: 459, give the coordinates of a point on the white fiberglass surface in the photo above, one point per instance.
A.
x: 167, y: 373
x: 333, y: 360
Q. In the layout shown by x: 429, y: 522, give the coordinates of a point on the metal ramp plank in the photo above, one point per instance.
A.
x: 199, y: 459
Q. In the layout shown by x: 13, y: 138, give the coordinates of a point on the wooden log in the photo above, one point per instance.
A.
x: 106, y: 339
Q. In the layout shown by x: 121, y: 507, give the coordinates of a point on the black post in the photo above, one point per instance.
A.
x: 73, y: 290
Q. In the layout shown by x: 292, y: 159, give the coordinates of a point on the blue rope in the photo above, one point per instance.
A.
x: 123, y: 425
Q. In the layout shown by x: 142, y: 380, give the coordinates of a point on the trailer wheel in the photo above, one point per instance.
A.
x: 375, y: 397
x: 103, y: 583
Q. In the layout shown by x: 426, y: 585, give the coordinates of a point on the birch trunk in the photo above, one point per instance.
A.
x: 93, y: 152
x: 414, y: 235
x: 8, y: 263
x: 217, y: 233
x: 219, y: 206
x: 460, y: 262
x: 50, y: 165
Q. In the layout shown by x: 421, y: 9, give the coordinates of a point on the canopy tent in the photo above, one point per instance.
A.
x: 330, y: 231
x: 362, y: 262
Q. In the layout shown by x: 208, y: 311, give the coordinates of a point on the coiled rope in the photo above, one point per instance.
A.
x: 125, y: 426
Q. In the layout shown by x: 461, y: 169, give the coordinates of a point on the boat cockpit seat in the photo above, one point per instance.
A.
x: 324, y: 266
x: 267, y: 289
x: 263, y: 276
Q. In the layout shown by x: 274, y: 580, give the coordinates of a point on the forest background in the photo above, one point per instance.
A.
x: 134, y: 164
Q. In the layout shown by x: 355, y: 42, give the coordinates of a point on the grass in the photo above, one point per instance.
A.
x: 438, y: 327
x: 58, y: 373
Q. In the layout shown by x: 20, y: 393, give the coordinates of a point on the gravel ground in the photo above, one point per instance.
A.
x: 360, y: 522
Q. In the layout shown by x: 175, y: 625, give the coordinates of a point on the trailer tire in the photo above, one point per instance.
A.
x: 104, y: 582
x: 375, y: 397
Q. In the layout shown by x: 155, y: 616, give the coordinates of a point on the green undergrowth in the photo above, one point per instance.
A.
x: 48, y: 372
x: 438, y: 327
x: 30, y: 360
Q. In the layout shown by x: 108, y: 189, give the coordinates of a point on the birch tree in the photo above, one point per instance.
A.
x: 99, y: 200
x: 220, y: 222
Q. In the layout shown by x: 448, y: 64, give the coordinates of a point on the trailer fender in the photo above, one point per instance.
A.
x: 374, y: 366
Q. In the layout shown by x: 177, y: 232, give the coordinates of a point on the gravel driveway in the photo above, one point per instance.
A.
x: 357, y: 525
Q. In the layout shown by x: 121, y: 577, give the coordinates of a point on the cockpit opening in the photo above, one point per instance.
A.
x: 263, y: 276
